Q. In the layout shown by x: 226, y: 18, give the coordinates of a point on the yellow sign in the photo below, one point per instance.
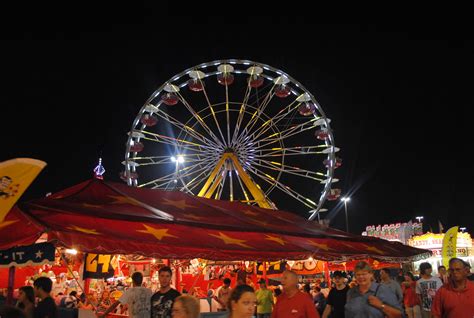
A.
x: 98, y: 266
x: 449, y: 245
x: 15, y: 177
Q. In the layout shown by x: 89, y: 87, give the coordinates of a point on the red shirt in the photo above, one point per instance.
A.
x: 454, y: 304
x: 410, y: 299
x: 298, y: 306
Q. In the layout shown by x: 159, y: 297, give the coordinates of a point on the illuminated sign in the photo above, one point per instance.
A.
x: 394, y: 232
x: 433, y: 241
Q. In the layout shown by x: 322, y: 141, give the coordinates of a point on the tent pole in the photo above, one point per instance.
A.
x: 87, y: 284
x: 265, y: 272
x: 326, y: 274
x: 11, y: 285
x: 196, y: 280
x: 75, y: 278
x: 178, y: 278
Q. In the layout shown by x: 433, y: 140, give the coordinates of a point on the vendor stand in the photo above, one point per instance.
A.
x: 110, y: 218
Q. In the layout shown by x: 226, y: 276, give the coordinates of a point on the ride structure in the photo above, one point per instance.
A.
x: 235, y: 130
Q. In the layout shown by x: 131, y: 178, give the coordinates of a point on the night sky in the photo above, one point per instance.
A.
x: 400, y: 102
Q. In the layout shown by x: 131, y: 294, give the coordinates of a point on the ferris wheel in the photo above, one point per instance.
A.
x: 235, y: 130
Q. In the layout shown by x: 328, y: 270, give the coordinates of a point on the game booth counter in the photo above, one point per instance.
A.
x: 104, y: 217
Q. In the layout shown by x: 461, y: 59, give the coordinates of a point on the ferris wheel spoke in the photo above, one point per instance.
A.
x: 258, y: 111
x: 204, y: 171
x: 291, y: 131
x: 284, y: 134
x: 231, y: 186
x: 277, y: 166
x: 194, y: 171
x: 184, y: 172
x: 180, y: 143
x: 201, y: 121
x: 247, y: 199
x: 241, y: 115
x: 155, y: 182
x: 288, y: 151
x: 227, y: 114
x: 254, y: 105
x: 213, y: 113
x: 185, y: 128
x: 275, y: 119
x: 152, y: 160
x: 164, y: 160
x: 284, y: 188
x: 221, y: 186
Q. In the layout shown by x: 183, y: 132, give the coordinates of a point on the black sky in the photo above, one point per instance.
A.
x: 400, y: 104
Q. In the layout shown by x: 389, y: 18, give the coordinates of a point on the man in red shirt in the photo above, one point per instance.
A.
x: 293, y: 303
x: 455, y: 299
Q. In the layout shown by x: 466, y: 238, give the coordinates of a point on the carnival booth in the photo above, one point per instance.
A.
x: 434, y: 243
x: 109, y: 218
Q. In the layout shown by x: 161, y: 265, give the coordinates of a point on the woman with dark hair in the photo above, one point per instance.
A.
x: 410, y: 299
x: 26, y: 300
x: 242, y: 302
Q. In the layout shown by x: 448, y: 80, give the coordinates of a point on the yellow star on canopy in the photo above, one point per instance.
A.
x: 7, y: 223
x: 250, y: 213
x: 193, y: 216
x: 181, y: 204
x: 262, y: 223
x: 83, y: 230
x: 275, y: 239
x: 87, y: 205
x: 374, y: 249
x: 347, y: 245
x: 229, y: 240
x: 119, y: 199
x: 283, y: 218
x: 321, y: 246
x: 157, y: 233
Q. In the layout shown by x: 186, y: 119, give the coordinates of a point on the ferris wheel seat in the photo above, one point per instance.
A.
x: 225, y: 79
x: 337, y: 164
x: 322, y: 134
x: 149, y: 120
x: 282, y: 91
x: 124, y: 175
x: 307, y: 109
x: 195, y: 85
x: 170, y: 99
x: 256, y: 81
x: 334, y: 194
x: 137, y: 147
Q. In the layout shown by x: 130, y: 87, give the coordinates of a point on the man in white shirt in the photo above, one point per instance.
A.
x: 137, y: 299
x: 426, y: 288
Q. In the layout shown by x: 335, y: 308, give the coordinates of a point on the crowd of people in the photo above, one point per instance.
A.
x: 449, y: 294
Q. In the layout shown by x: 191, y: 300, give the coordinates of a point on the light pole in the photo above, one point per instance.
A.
x: 345, y: 200
x: 419, y: 218
x: 462, y: 229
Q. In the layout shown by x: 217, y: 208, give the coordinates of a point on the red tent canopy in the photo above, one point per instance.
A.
x: 111, y: 218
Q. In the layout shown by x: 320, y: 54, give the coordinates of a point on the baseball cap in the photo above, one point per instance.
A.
x: 339, y: 274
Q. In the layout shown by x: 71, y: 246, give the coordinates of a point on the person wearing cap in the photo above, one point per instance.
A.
x: 337, y: 297
x: 264, y: 300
